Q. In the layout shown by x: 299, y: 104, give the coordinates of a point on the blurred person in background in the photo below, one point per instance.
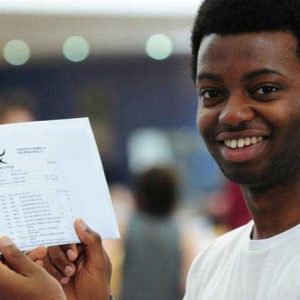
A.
x: 237, y: 214
x: 227, y: 208
x: 157, y: 253
x: 16, y: 106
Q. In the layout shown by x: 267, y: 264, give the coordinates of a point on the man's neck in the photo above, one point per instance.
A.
x: 275, y: 209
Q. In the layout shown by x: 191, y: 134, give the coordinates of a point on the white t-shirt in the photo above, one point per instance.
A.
x: 234, y: 267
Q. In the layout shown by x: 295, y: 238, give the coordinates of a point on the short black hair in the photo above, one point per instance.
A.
x: 243, y: 16
x: 156, y: 190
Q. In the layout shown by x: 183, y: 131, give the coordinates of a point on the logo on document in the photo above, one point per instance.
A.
x: 2, y: 157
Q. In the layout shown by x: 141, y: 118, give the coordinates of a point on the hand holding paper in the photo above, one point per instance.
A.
x: 92, y: 268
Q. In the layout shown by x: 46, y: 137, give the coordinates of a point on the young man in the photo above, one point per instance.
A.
x: 247, y: 70
x: 246, y: 66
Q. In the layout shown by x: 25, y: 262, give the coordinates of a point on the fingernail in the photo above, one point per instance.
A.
x: 83, y: 225
x: 69, y: 271
x: 71, y: 254
x: 39, y: 262
x: 5, y: 241
x: 65, y: 280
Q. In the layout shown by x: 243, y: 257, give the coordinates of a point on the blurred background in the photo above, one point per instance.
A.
x: 123, y: 64
x: 126, y: 66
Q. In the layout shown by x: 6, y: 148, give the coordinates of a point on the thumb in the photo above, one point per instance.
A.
x: 95, y: 255
x: 15, y: 258
x: 87, y: 236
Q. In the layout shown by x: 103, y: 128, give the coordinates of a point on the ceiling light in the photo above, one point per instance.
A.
x: 76, y: 48
x: 16, y: 52
x: 159, y: 46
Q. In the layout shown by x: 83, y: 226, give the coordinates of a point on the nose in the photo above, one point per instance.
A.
x: 236, y: 110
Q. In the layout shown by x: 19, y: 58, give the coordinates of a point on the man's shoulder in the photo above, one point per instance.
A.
x: 219, y: 252
x: 223, y: 245
x: 234, y: 235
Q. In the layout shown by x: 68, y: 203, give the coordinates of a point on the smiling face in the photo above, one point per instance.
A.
x: 249, y: 105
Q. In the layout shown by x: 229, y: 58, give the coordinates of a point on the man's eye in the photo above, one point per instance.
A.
x: 210, y: 93
x: 266, y: 89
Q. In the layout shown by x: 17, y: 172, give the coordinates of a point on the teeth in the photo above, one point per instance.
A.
x: 254, y: 140
x: 241, y: 142
x: 233, y: 144
x: 247, y: 141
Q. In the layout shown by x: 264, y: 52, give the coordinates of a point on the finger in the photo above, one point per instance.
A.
x: 4, y: 266
x: 51, y: 269
x: 60, y: 261
x: 71, y: 251
x: 37, y: 254
x: 96, y: 257
x: 39, y: 262
x: 15, y: 258
x: 9, y: 281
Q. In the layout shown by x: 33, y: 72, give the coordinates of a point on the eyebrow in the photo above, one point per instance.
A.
x: 209, y: 76
x: 248, y: 76
x: 259, y: 72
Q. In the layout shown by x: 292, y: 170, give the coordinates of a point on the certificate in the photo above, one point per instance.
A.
x: 51, y: 174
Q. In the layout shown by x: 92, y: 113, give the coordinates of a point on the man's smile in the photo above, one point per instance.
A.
x: 242, y: 142
x: 243, y: 145
x: 237, y: 151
